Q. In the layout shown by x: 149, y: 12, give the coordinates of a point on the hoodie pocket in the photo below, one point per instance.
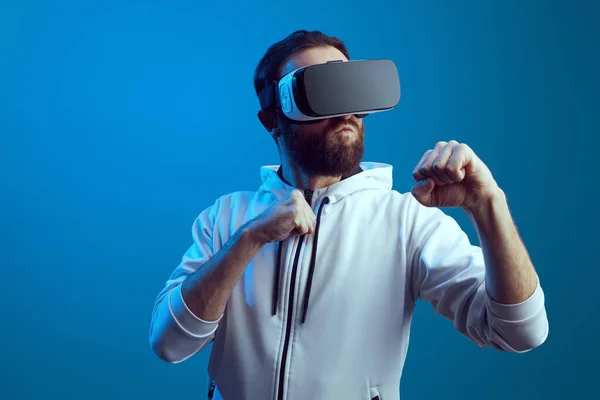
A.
x: 374, y: 393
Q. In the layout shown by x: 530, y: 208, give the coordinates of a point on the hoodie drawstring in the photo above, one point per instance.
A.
x: 311, y: 270
x: 313, y: 257
x: 277, y: 274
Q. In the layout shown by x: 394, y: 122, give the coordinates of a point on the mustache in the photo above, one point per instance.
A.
x: 346, y: 124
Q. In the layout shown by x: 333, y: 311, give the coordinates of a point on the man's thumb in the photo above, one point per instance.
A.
x: 422, y: 189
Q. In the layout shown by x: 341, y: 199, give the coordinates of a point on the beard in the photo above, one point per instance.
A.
x: 327, y: 152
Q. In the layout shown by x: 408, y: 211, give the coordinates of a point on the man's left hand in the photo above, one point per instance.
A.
x: 451, y: 175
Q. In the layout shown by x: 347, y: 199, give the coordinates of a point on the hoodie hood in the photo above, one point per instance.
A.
x: 374, y: 176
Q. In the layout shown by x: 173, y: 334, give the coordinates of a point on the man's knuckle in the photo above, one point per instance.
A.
x: 452, y: 169
x: 464, y: 147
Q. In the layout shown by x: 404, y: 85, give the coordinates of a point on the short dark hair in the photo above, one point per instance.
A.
x: 267, y: 70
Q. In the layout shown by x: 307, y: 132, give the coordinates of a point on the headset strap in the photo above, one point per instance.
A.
x: 268, y: 97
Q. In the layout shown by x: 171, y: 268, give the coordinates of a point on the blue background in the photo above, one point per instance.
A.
x: 121, y: 121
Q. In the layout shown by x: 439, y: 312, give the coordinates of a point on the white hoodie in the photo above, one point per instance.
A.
x: 374, y: 253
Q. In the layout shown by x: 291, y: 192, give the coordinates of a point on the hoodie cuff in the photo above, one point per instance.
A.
x: 187, y: 320
x: 518, y: 312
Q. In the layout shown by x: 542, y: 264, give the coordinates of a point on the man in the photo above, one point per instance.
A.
x: 307, y: 286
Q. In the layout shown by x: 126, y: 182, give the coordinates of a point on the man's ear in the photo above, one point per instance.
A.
x: 269, y: 121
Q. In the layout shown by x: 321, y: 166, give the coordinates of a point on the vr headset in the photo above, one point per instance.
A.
x: 334, y: 89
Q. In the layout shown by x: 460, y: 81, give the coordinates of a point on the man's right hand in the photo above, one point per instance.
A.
x: 290, y: 216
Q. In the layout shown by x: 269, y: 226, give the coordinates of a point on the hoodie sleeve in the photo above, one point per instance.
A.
x: 176, y: 334
x: 449, y: 273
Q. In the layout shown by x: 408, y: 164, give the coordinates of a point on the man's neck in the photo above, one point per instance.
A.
x: 297, y: 179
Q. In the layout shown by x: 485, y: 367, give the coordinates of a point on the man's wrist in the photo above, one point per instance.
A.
x: 495, y: 200
x: 251, y: 234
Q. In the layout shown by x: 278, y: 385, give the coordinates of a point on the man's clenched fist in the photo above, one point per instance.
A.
x: 290, y: 216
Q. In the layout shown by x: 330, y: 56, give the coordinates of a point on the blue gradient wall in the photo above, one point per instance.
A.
x: 121, y: 120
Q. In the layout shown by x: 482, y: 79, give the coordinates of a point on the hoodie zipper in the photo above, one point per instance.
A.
x: 286, y: 344
x: 288, y: 328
